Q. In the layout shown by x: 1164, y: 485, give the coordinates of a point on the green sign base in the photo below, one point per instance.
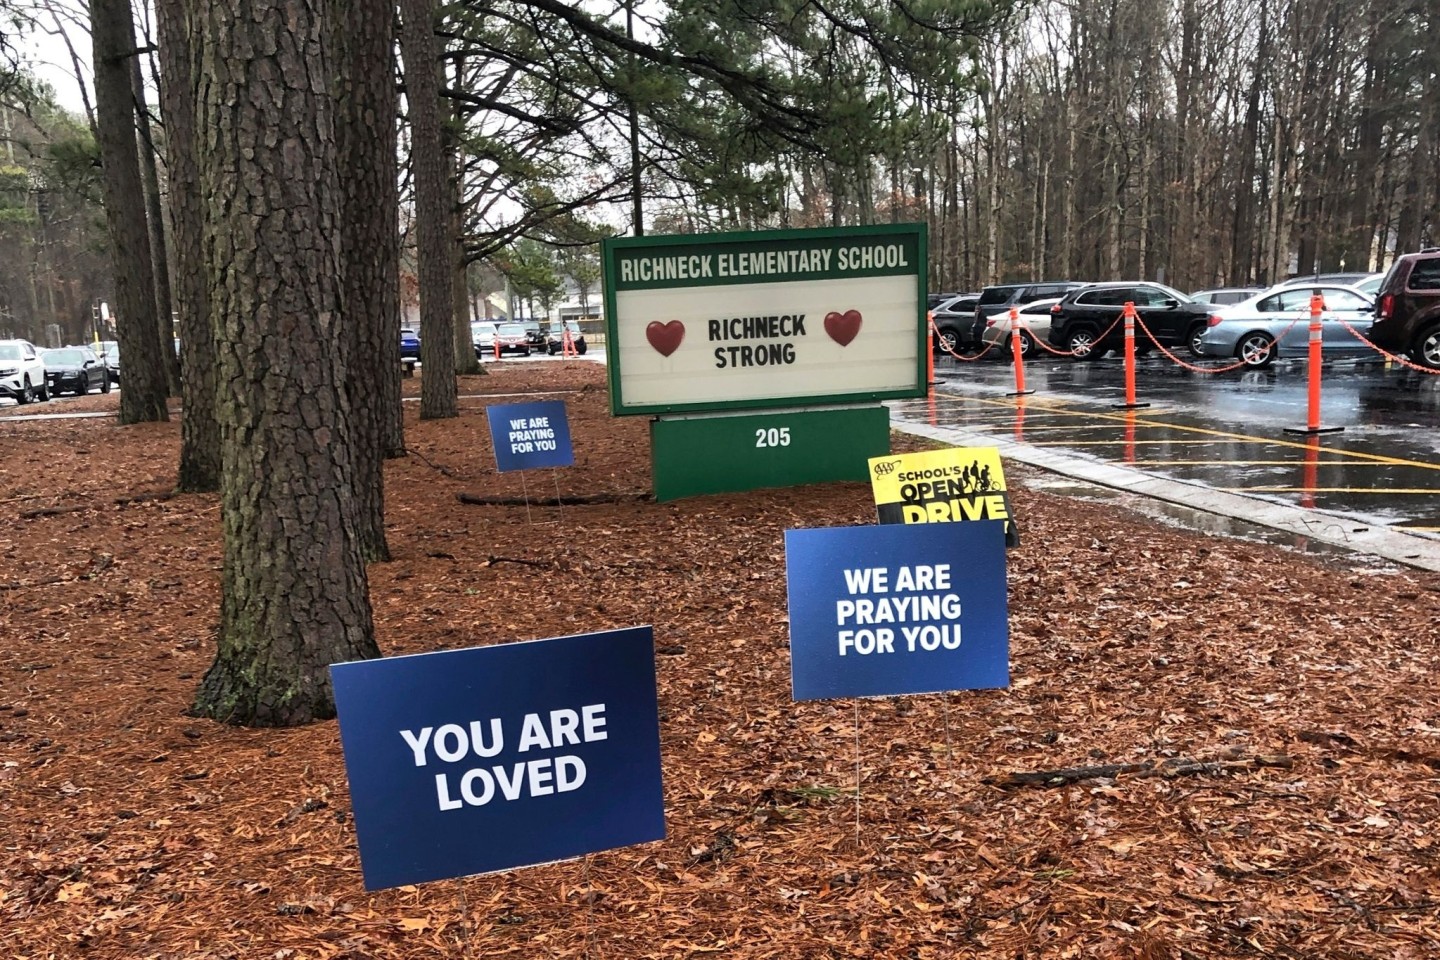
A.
x: 733, y: 453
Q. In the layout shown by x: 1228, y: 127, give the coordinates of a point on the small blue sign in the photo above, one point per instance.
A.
x: 492, y: 758
x: 895, y: 609
x: 530, y: 435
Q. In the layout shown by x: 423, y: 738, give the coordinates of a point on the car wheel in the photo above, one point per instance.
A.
x: 1193, y: 337
x: 949, y: 340
x: 1027, y: 345
x: 42, y: 392
x: 27, y: 393
x: 83, y: 390
x: 1082, y: 344
x: 1426, y: 351
x: 1256, y: 350
x: 105, y: 385
x: 580, y: 348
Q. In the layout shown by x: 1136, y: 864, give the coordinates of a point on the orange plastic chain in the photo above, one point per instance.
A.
x: 1190, y: 366
x: 936, y: 334
x: 1070, y: 353
x: 1386, y: 353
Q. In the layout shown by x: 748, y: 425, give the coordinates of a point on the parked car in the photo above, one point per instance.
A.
x: 409, y: 344
x: 1347, y: 279
x: 555, y: 337
x: 76, y: 369
x: 1407, y: 308
x: 1000, y: 298
x: 109, y: 351
x: 22, y: 372
x: 1085, y: 323
x: 954, y: 318
x: 1224, y: 296
x: 1276, y: 323
x: 1034, y: 324
x: 534, y: 335
x: 1370, y: 286
x: 934, y: 299
x: 512, y: 339
x: 482, y: 335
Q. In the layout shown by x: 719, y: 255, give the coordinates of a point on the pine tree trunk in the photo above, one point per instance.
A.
x: 293, y: 585
x: 432, y: 211
x: 113, y: 36
x: 465, y: 360
x: 370, y: 243
x: 199, y: 431
x: 155, y: 220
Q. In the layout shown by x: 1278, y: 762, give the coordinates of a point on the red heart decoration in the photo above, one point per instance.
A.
x: 665, y: 337
x: 843, y: 327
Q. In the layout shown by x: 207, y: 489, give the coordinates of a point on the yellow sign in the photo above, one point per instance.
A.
x: 943, y: 486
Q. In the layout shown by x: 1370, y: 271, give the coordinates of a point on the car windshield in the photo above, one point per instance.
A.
x: 512, y: 330
x: 62, y: 356
x: 110, y: 348
x: 407, y: 334
x: 9, y: 351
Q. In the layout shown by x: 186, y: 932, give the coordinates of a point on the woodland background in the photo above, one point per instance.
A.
x: 1193, y: 141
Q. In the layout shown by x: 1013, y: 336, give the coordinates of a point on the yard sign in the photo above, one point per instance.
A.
x: 530, y: 435
x: 492, y: 758
x: 898, y: 609
x: 941, y: 486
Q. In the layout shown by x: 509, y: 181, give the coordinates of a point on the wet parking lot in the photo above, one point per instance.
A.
x: 1225, y: 431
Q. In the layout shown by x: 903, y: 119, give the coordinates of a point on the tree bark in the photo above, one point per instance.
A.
x: 113, y: 36
x: 155, y: 219
x: 432, y: 212
x: 465, y: 360
x: 293, y: 584
x: 199, y: 431
x: 370, y: 242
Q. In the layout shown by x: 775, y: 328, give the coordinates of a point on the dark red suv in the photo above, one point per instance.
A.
x: 1407, y: 308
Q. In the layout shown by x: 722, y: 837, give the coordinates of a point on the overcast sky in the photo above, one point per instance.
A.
x: 46, y: 57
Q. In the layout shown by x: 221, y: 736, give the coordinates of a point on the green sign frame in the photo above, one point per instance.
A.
x: 731, y: 453
x: 792, y: 261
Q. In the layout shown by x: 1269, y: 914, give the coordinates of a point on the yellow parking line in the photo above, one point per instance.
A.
x: 1258, y: 463
x: 1125, y: 419
x: 1415, y: 492
x: 1116, y: 443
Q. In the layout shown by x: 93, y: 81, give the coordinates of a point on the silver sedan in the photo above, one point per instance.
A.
x: 1276, y: 323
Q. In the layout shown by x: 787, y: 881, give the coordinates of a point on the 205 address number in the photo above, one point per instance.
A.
x: 772, y: 437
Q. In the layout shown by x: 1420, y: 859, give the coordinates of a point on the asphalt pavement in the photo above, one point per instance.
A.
x: 1216, y: 444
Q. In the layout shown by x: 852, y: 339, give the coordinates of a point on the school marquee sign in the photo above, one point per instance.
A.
x: 777, y: 318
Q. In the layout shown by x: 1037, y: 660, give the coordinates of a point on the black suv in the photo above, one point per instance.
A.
x: 1407, y: 308
x: 1001, y: 297
x: 1084, y: 323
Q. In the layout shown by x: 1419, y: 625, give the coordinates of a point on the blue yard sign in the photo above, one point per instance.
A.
x: 473, y: 761
x: 897, y: 609
x: 530, y: 435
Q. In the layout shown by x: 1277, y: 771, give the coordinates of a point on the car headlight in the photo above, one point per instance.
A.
x: 9, y: 371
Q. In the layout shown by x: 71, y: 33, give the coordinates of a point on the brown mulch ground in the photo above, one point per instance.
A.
x: 128, y: 829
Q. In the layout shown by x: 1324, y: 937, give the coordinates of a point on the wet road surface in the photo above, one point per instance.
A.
x: 1226, y: 431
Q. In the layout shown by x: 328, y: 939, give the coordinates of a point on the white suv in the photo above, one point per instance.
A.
x: 22, y: 372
